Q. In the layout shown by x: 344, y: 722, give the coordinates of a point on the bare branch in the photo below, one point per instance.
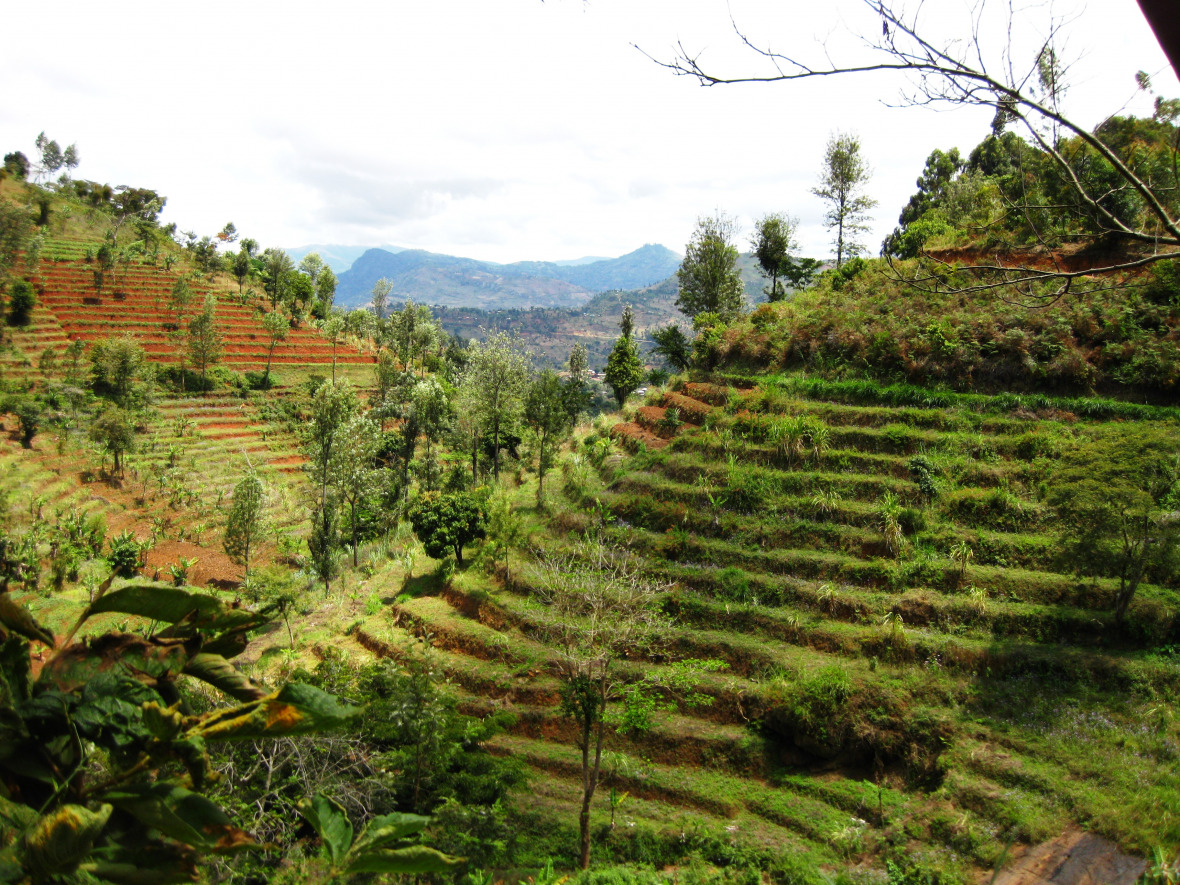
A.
x: 950, y: 72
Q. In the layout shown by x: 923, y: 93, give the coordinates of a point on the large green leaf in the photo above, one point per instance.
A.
x: 295, y: 709
x: 329, y: 820
x: 136, y: 860
x: 416, y: 859
x: 182, y: 815
x: 15, y: 681
x: 390, y: 827
x: 59, y: 841
x: 157, y: 601
x: 122, y: 653
x: 220, y: 673
x: 17, y: 619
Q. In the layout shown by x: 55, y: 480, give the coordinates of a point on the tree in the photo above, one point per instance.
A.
x: 116, y: 363
x: 54, y: 158
x: 205, y: 341
x: 577, y: 393
x: 1132, y: 201
x: 28, y: 416
x: 114, y: 430
x: 545, y: 412
x: 708, y: 277
x: 241, y: 268
x: 842, y: 181
x: 21, y: 301
x: 16, y: 164
x: 325, y: 286
x: 937, y: 175
x: 108, y: 705
x: 245, y: 527
x: 380, y: 299
x: 334, y: 330
x: 673, y: 345
x: 446, y: 523
x: 624, y: 370
x: 1118, y: 503
x: 313, y: 266
x: 180, y: 299
x: 497, y: 372
x: 431, y: 416
x: 332, y: 406
x: 354, y: 475
x: 597, y: 609
x: 16, y: 228
x: 773, y: 242
x: 277, y: 328
x: 277, y: 268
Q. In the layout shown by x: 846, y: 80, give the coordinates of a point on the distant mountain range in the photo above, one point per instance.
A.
x: 446, y: 280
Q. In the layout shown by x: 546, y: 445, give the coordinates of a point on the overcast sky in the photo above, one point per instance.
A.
x: 495, y: 129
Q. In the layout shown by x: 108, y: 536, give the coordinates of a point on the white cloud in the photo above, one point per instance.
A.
x: 507, y: 130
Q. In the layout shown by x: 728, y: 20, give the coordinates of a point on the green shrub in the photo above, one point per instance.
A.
x: 912, y: 521
x: 733, y: 584
x: 20, y: 303
x: 124, y: 555
x: 923, y: 473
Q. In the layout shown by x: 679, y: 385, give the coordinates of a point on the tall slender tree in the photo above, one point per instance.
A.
x: 331, y: 407
x: 277, y: 327
x: 842, y: 181
x: 497, y: 372
x: 773, y: 242
x: 624, y: 370
x: 205, y: 341
x: 547, y: 415
x: 245, y: 526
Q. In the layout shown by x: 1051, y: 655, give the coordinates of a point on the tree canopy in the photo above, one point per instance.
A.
x: 708, y: 277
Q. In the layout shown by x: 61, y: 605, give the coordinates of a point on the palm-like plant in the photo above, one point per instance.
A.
x: 894, y: 625
x: 826, y: 502
x: 961, y: 554
x: 789, y: 437
x: 889, y: 517
x: 820, y: 439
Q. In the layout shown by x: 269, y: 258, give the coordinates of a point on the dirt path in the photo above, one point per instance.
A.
x: 1073, y: 858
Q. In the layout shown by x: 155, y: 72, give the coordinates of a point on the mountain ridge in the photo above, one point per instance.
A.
x: 453, y: 281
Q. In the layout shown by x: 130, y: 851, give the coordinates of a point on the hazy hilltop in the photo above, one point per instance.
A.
x: 338, y: 257
x: 450, y: 281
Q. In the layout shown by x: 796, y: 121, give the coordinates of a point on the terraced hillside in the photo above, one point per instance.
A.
x: 912, y: 675
x: 135, y: 301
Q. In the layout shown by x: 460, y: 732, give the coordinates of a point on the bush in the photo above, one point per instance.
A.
x: 912, y: 521
x: 733, y: 584
x: 923, y: 473
x: 125, y: 554
x: 261, y: 381
x: 20, y: 303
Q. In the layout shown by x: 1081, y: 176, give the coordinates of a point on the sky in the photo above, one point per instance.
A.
x: 502, y: 130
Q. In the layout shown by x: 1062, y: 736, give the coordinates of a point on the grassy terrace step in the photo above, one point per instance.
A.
x: 810, y: 821
x: 686, y: 468
x: 553, y: 801
x: 658, y: 504
x: 486, y: 637
x: 902, y: 395
x: 956, y: 468
x: 1152, y: 604
x: 793, y: 608
x: 964, y: 653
